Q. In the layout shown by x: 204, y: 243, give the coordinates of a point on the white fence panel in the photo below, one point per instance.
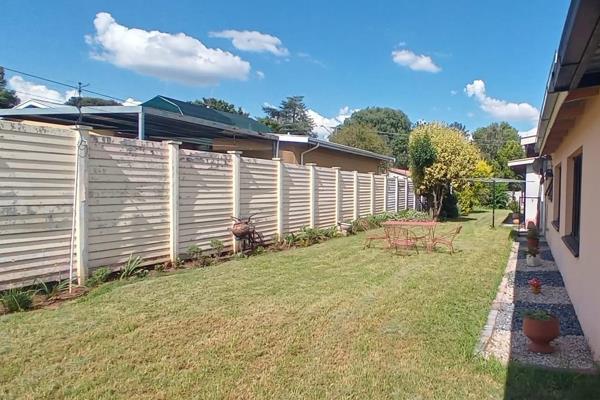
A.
x: 296, y: 197
x: 364, y: 195
x: 391, y: 193
x: 379, y: 193
x: 326, y: 197
x: 205, y: 199
x: 128, y: 204
x: 347, y: 195
x: 37, y: 171
x: 258, y: 180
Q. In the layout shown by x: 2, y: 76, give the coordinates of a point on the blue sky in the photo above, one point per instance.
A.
x: 469, y: 61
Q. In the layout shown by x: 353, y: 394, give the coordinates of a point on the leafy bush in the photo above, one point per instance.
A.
x: 194, y: 252
x: 17, y: 300
x: 513, y: 206
x: 99, y: 276
x: 52, y: 290
x: 131, y: 267
x: 217, y: 247
x: 308, y: 236
x: 467, y: 200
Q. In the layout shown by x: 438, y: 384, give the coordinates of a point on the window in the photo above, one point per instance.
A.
x: 572, y: 218
x: 556, y: 197
x: 576, y: 218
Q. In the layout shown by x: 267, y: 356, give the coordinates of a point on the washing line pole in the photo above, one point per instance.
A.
x: 493, y: 203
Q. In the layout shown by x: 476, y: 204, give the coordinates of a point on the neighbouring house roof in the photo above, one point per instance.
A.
x: 525, y: 140
x: 199, y: 111
x: 165, y: 118
x: 400, y: 171
x: 521, y: 161
x: 574, y: 74
x: 33, y: 103
x: 333, y: 146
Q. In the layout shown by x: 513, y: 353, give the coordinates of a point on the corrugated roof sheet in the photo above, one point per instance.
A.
x: 195, y: 110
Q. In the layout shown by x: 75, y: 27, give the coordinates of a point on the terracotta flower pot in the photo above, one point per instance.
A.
x: 516, y: 217
x: 535, y: 243
x: 541, y: 333
x: 535, y: 289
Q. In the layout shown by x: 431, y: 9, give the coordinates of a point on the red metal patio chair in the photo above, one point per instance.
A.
x: 446, y: 238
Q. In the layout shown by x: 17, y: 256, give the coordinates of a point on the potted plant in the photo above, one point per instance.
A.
x: 533, y: 236
x: 532, y: 257
x: 541, y: 328
x: 535, y: 285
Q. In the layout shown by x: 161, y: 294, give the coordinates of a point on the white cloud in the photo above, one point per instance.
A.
x: 253, y: 41
x: 167, y: 56
x: 324, y: 126
x: 501, y: 109
x: 453, y: 92
x: 131, y: 102
x: 260, y: 75
x: 27, y: 90
x: 416, y: 62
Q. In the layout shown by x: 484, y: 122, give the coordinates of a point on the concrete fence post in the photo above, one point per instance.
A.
x: 338, y: 195
x: 173, y: 151
x: 356, y: 212
x: 313, y: 194
x: 385, y: 193
x: 279, y: 198
x: 396, y: 194
x: 81, y: 205
x: 236, y: 160
x: 372, y: 201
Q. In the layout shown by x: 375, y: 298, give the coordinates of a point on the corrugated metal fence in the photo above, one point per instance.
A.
x: 154, y: 200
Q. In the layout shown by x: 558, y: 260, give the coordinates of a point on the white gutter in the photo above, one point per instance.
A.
x: 308, y: 151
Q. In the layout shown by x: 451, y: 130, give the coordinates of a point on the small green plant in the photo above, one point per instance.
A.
x: 99, y: 276
x: 540, y: 315
x: 513, y: 206
x: 217, y: 247
x: 533, y: 251
x: 52, y: 290
x: 15, y: 300
x: 194, y: 252
x: 161, y: 267
x: 131, y: 267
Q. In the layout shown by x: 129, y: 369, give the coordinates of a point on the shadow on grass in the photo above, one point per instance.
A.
x: 525, y: 382
x: 461, y: 219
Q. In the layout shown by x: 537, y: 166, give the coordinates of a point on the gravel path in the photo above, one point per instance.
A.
x: 502, y: 337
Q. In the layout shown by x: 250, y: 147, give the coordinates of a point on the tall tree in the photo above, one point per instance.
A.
x: 91, y: 101
x: 220, y: 105
x: 290, y: 117
x: 360, y: 136
x: 393, y: 125
x: 8, y: 98
x: 455, y: 161
x: 459, y: 127
x: 490, y: 139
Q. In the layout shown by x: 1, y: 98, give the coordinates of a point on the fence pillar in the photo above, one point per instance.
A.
x: 385, y: 193
x: 313, y: 194
x: 406, y: 193
x: 173, y: 151
x: 236, y: 160
x: 81, y: 204
x: 372, y: 202
x: 396, y: 194
x: 356, y: 198
x: 279, y: 199
x: 338, y: 195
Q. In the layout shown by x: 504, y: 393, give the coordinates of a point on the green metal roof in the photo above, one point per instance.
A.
x: 194, y: 110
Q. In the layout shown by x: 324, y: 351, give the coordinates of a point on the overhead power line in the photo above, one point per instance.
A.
x: 76, y: 87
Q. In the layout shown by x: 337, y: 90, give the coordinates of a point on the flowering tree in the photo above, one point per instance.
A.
x: 455, y: 162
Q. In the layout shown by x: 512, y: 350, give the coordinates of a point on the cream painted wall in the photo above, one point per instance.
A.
x: 581, y: 274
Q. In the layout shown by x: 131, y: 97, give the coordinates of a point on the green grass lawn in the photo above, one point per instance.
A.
x: 328, y: 321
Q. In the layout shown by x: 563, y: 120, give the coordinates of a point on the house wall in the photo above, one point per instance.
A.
x: 581, y: 274
x: 152, y: 199
x: 291, y: 153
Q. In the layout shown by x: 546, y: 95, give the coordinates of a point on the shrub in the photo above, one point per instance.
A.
x: 217, y: 247
x: 99, y: 276
x: 194, y: 252
x: 467, y: 200
x: 17, y: 299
